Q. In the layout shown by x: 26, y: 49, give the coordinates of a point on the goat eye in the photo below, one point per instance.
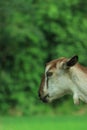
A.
x: 49, y: 74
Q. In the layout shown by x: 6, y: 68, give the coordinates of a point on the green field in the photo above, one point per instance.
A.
x: 44, y: 123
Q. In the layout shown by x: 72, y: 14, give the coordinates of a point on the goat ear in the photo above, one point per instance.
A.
x: 71, y: 62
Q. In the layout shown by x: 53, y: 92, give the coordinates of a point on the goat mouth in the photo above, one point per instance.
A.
x: 47, y: 98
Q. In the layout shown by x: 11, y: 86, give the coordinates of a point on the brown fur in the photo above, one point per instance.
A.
x: 42, y: 84
x: 82, y: 68
x: 54, y: 63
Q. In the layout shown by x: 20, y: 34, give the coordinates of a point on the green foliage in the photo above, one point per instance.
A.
x: 44, y: 122
x: 32, y: 33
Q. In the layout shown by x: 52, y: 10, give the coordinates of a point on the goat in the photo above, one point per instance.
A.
x: 64, y: 76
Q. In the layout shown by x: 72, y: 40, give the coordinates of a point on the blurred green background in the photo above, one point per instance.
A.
x: 33, y: 32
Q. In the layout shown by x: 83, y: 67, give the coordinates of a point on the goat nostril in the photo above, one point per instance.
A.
x: 44, y: 99
x: 46, y: 96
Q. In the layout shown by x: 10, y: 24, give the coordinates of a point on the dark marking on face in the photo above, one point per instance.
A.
x: 42, y: 85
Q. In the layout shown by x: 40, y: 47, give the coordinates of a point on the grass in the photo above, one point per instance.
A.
x: 44, y: 123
